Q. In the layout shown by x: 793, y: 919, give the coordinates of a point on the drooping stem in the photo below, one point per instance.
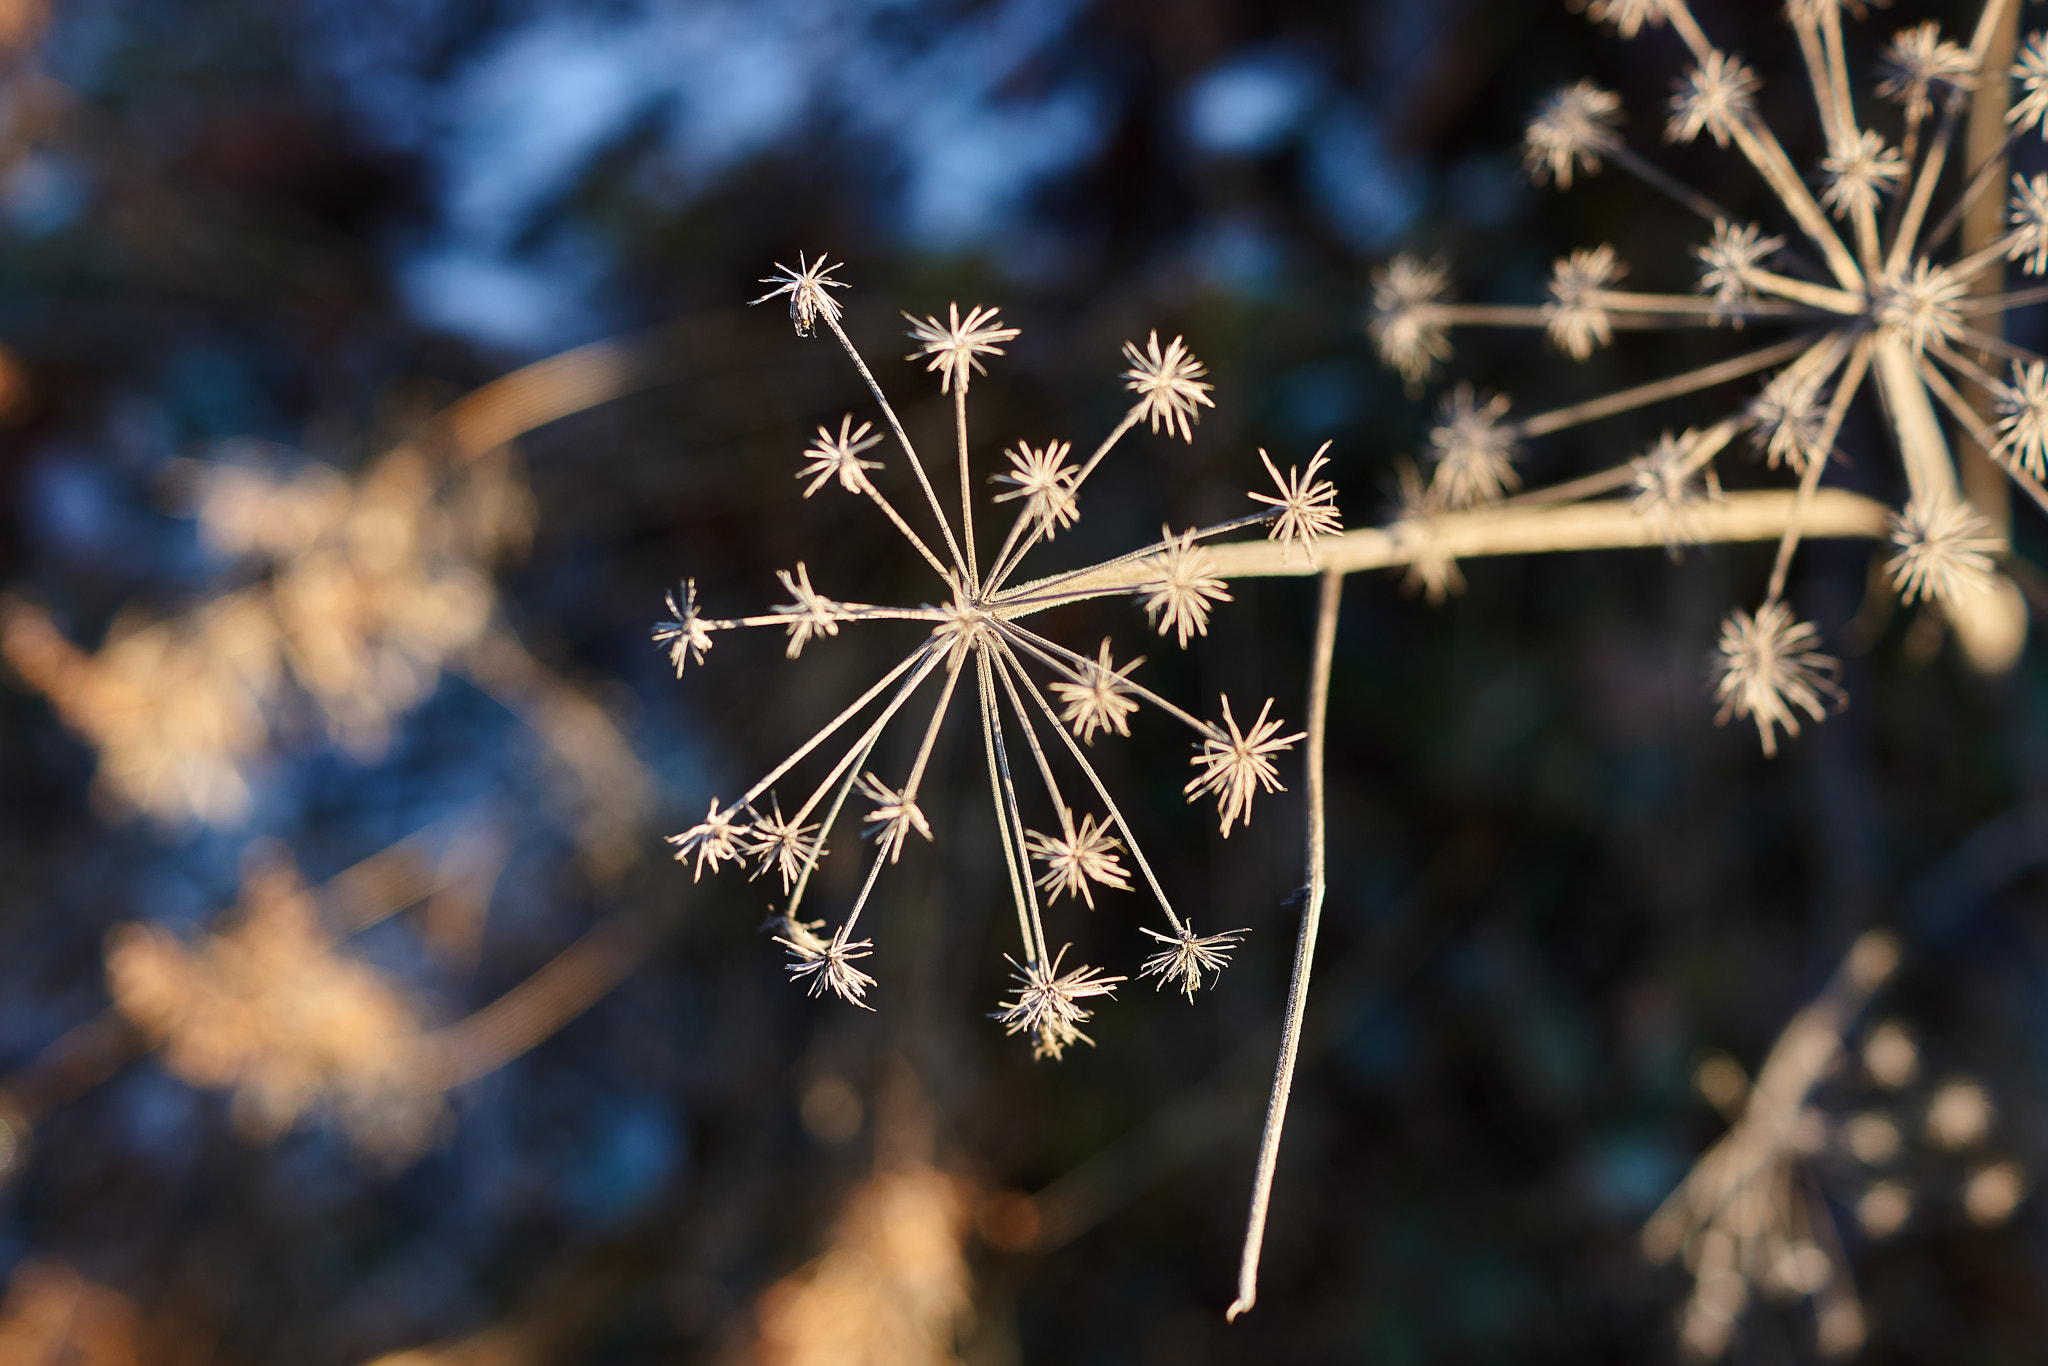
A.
x: 1304, y: 947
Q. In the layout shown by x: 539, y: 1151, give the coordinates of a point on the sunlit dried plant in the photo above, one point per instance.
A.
x: 981, y: 631
x: 269, y: 1008
x: 1873, y: 290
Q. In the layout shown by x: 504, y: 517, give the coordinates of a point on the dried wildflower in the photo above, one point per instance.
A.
x: 980, y: 635
x: 1189, y: 955
x: 1669, y: 480
x: 805, y: 286
x: 1179, y: 599
x: 1409, y: 334
x: 838, y: 457
x: 894, y: 816
x: 2030, y: 69
x: 1716, y: 97
x: 2023, y: 426
x: 1945, y: 549
x: 1102, y: 700
x: 1077, y: 857
x: 1921, y: 304
x: 811, y: 614
x: 269, y: 1008
x: 714, y: 840
x: 791, y: 847
x: 1859, y: 172
x: 1788, y: 416
x: 1048, y: 1003
x: 1628, y: 16
x: 2029, y: 220
x: 1576, y: 315
x: 1916, y: 61
x: 685, y: 636
x: 1473, y: 452
x: 1045, y: 482
x: 1306, y: 506
x: 1767, y: 670
x: 1732, y: 259
x: 827, y: 965
x: 1573, y: 128
x: 956, y: 346
x: 1168, y: 385
x: 1237, y: 765
x: 1430, y: 570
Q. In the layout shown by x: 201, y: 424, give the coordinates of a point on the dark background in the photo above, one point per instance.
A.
x: 1556, y: 885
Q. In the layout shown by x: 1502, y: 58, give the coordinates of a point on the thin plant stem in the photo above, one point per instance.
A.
x: 1838, y: 408
x: 1005, y: 568
x: 1981, y: 179
x: 966, y: 494
x: 1706, y: 377
x: 1032, y: 950
x: 1967, y: 417
x: 902, y: 439
x: 852, y: 709
x: 1015, y: 812
x: 1304, y: 946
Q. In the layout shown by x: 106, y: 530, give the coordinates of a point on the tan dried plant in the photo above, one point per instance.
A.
x: 270, y: 1008
x: 1039, y: 703
x: 1868, y: 281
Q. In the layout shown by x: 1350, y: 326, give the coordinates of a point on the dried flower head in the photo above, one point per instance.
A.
x: 714, y: 840
x: 2029, y: 219
x: 1732, y: 259
x: 1305, y: 506
x: 838, y: 457
x: 1572, y: 130
x: 827, y: 965
x: 1409, y: 334
x: 1180, y: 595
x: 1102, y: 699
x: 2030, y: 69
x: 1945, y: 549
x: 791, y: 847
x: 893, y: 817
x: 1788, y: 416
x: 1078, y: 856
x: 811, y: 613
x: 1237, y: 765
x: 1768, y: 670
x: 1716, y: 97
x: 956, y: 346
x: 2023, y: 424
x: 1188, y: 955
x: 1472, y: 450
x: 1858, y: 172
x: 1922, y: 304
x: 1045, y: 482
x: 1576, y: 315
x: 1917, y: 61
x: 1670, y: 480
x: 1168, y: 384
x: 684, y: 635
x: 1629, y: 17
x: 1048, y: 1003
x: 805, y: 286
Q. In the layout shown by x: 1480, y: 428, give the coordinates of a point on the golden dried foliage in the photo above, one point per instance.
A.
x: 268, y: 1008
x: 52, y: 1316
x: 893, y: 1289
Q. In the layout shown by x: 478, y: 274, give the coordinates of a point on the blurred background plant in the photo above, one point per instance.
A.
x: 372, y: 369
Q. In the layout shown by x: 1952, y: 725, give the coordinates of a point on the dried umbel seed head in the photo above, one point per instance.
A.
x: 1404, y: 325
x: 1945, y: 549
x: 1572, y: 130
x: 1768, y: 670
x: 2023, y: 424
x: 1576, y: 316
x: 2028, y: 217
x: 1473, y: 450
x: 806, y: 287
x: 1858, y: 172
x: 2030, y: 69
x: 1919, y: 62
x: 1732, y: 260
x: 1716, y: 98
x: 1922, y: 304
x: 1304, y: 507
x: 1168, y: 384
x: 953, y: 349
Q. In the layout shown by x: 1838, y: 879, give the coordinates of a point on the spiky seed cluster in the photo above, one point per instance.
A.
x: 1858, y: 172
x: 1787, y: 418
x: 982, y: 629
x: 685, y: 635
x: 1732, y: 259
x: 2030, y: 69
x: 1405, y: 328
x: 2023, y: 422
x: 1768, y: 670
x: 1188, y: 955
x: 1168, y: 384
x: 1473, y: 452
x: 1945, y: 549
x: 2028, y: 216
x: 1048, y: 1004
x: 1236, y: 765
x: 1669, y: 483
x: 1917, y: 62
x: 1571, y: 131
x: 1628, y: 16
x: 1576, y: 315
x: 1306, y: 506
x: 1922, y: 304
x: 1716, y: 97
x: 954, y: 348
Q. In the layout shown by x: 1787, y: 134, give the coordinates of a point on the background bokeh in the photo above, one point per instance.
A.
x: 246, y: 235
